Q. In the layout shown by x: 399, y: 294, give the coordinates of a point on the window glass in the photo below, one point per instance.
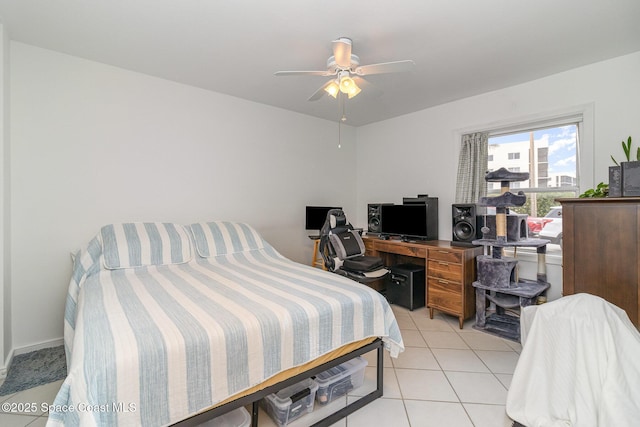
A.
x: 549, y: 155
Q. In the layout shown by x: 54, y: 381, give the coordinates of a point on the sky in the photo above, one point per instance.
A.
x: 562, y: 146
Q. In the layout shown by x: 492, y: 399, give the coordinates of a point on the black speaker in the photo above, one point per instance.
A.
x: 374, y: 217
x: 464, y: 223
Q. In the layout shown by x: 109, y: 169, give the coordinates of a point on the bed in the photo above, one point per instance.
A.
x: 165, y: 321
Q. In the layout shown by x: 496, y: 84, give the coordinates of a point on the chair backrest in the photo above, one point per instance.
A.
x: 338, y: 240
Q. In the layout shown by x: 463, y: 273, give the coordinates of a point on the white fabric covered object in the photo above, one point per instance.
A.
x: 580, y: 366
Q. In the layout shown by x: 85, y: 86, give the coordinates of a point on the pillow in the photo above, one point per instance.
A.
x: 222, y: 238
x: 140, y: 244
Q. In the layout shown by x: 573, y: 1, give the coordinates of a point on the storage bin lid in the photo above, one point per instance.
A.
x: 282, y: 399
x: 338, y: 372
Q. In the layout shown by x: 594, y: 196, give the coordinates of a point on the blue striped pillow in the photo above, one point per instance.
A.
x: 222, y: 238
x: 144, y: 243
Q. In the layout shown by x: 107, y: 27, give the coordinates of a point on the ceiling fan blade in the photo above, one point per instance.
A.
x: 385, y: 67
x: 320, y: 92
x: 370, y: 89
x: 302, y: 73
x: 342, y: 52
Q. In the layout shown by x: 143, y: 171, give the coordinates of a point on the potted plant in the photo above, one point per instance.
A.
x: 601, y: 190
x: 624, y: 178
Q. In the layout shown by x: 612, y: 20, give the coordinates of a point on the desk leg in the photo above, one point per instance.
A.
x: 317, y: 259
x: 430, y: 313
x: 461, y: 322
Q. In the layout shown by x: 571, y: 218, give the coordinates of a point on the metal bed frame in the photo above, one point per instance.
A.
x: 254, y: 398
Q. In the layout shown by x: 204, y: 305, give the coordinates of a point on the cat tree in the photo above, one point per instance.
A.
x: 500, y: 292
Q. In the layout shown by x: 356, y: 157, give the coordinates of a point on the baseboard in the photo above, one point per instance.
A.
x: 34, y: 347
x: 5, y: 368
x: 28, y: 349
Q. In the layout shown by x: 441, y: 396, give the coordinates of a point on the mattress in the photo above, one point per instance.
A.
x: 163, y: 321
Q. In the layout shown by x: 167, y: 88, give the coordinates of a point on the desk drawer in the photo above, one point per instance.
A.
x: 446, y: 255
x: 444, y: 294
x: 444, y: 270
x: 399, y: 249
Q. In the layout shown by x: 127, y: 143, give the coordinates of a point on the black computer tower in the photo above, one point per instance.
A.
x: 406, y: 286
x: 432, y: 213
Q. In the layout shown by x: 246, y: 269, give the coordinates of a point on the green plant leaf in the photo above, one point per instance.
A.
x: 601, y: 190
x: 614, y: 160
x: 627, y: 149
x: 638, y: 154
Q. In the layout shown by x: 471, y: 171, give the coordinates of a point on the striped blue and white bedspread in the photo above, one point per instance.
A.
x: 152, y: 345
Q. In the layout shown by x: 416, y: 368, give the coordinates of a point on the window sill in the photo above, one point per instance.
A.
x: 553, y: 256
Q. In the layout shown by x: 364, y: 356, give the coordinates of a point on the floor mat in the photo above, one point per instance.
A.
x: 35, y: 368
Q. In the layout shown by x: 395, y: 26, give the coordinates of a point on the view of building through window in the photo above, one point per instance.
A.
x: 549, y: 155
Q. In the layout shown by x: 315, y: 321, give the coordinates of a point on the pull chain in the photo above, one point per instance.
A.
x: 342, y: 119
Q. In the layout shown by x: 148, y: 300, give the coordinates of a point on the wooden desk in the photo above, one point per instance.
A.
x: 450, y: 271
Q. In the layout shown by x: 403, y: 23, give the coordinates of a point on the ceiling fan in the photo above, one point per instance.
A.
x: 347, y: 72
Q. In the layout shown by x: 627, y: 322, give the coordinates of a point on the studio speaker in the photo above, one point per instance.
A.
x: 464, y: 224
x: 374, y: 217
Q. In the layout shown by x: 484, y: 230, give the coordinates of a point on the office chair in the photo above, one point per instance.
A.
x: 343, y: 250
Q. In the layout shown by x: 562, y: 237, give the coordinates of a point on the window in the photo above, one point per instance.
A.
x: 549, y: 154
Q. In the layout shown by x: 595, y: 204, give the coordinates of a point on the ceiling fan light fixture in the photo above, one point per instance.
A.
x: 346, y: 83
x: 353, y: 90
x: 332, y: 89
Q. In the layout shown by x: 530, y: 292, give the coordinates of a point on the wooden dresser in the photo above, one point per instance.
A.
x: 450, y: 271
x: 601, y: 250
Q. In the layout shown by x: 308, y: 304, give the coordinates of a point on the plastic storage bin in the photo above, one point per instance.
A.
x: 339, y: 380
x: 292, y: 402
x: 237, y: 418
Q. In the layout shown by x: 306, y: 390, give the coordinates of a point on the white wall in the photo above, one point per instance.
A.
x: 5, y: 223
x: 93, y: 144
x: 419, y: 152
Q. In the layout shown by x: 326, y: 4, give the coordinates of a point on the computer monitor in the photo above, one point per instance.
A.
x: 315, y: 216
x: 406, y: 221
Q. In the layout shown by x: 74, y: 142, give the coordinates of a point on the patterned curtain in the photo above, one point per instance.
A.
x: 472, y: 167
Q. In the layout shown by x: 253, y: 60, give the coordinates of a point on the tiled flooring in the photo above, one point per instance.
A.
x: 446, y: 377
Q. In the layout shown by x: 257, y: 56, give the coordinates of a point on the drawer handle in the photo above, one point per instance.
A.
x: 444, y: 282
x: 443, y: 263
x: 444, y: 252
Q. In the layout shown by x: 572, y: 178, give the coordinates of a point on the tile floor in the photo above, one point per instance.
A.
x: 446, y: 377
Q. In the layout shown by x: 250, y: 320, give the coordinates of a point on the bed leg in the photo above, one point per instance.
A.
x: 255, y: 408
x: 380, y: 369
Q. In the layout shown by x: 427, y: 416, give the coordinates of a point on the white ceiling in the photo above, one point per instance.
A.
x: 460, y: 47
